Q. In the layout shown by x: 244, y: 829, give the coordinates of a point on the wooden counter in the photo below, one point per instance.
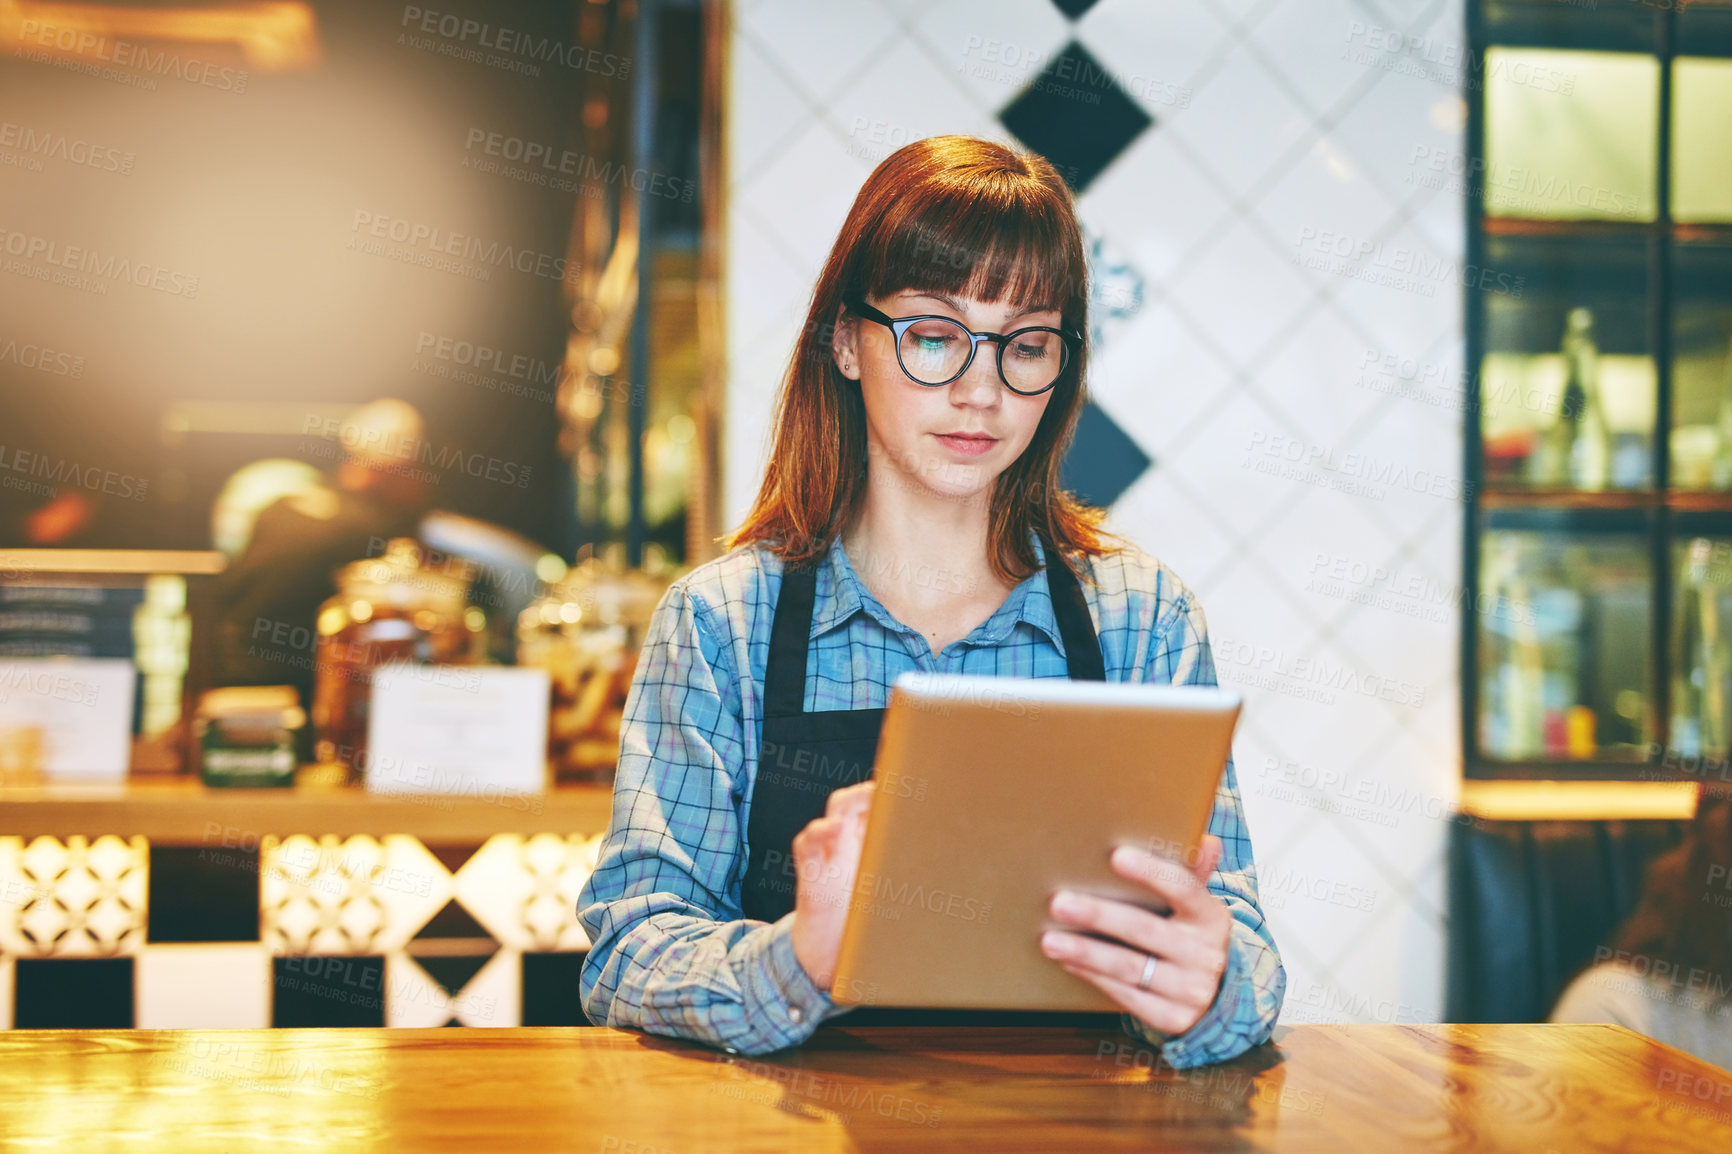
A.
x: 1329, y: 1089
x: 187, y: 812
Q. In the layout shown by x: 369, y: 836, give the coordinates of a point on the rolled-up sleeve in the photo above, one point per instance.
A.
x: 1244, y: 1012
x: 669, y: 951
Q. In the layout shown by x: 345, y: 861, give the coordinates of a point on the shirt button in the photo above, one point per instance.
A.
x: 796, y: 1013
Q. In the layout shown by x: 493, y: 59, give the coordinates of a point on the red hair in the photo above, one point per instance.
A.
x: 962, y: 217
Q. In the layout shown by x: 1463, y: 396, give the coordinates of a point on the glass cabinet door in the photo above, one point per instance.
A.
x: 1702, y: 365
x: 1565, y: 621
x: 1568, y: 385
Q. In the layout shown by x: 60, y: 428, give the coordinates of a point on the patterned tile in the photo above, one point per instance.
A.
x: 73, y: 898
x: 356, y: 896
x: 525, y: 890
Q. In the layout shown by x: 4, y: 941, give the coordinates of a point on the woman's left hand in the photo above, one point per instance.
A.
x: 1189, y: 946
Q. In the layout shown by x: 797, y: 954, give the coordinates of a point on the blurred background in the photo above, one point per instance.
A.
x: 1411, y: 324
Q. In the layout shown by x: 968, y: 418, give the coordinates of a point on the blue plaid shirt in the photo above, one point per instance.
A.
x: 670, y: 951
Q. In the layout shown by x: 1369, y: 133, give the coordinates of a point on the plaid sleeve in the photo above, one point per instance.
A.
x: 669, y: 951
x: 1244, y: 1012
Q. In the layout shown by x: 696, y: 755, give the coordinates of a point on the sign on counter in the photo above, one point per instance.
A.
x: 67, y: 716
x: 457, y: 729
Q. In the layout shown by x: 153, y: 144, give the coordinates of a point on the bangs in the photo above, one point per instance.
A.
x: 993, y: 236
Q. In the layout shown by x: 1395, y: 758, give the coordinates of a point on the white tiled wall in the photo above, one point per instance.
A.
x: 1287, y: 131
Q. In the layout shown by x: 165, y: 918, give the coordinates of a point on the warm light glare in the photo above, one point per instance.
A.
x: 273, y: 37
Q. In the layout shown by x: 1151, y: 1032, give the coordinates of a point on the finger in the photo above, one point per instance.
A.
x: 1207, y: 858
x: 1185, y: 984
x: 1168, y: 879
x: 849, y: 799
x: 1141, y: 930
x: 1163, y: 1013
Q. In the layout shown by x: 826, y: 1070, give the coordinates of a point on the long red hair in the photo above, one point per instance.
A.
x: 967, y: 218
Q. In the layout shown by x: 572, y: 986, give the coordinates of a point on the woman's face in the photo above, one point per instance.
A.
x: 952, y: 440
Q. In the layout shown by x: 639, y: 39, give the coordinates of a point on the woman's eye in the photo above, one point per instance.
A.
x: 1030, y: 352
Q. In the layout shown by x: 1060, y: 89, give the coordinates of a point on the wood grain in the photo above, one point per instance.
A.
x: 1529, y: 1088
x: 187, y: 812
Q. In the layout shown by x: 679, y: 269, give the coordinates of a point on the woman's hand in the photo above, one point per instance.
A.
x: 1190, y: 945
x: 826, y: 860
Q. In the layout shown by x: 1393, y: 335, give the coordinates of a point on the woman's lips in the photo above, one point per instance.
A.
x: 971, y: 446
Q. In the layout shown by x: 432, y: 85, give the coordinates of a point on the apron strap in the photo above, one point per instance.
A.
x: 1082, y: 648
x: 785, y: 671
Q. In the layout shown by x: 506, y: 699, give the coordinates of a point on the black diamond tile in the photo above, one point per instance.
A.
x: 550, y: 992
x: 1076, y: 116
x: 208, y: 893
x: 1103, y: 461
x: 72, y: 994
x: 1073, y: 8
x: 322, y: 991
x: 452, y: 921
x: 453, y: 973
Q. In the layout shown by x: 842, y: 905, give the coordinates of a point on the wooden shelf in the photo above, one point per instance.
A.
x: 142, y: 561
x: 1578, y: 800
x: 187, y: 812
x: 1677, y: 500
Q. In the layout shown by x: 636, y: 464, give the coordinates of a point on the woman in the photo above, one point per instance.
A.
x: 906, y: 521
x: 1668, y: 973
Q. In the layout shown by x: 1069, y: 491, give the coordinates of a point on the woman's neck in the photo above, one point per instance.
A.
x: 922, y: 553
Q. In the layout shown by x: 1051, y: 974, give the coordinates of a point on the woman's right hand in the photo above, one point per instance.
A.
x: 826, y: 860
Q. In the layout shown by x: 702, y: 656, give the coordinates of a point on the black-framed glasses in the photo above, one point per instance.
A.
x: 935, y: 350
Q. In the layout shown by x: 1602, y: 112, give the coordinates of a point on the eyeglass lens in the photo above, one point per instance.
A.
x: 933, y: 352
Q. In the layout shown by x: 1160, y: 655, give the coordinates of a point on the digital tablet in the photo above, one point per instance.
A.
x: 992, y: 793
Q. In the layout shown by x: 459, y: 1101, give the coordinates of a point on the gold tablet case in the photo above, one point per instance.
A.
x: 992, y: 793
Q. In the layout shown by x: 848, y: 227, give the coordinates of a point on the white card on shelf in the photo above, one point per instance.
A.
x: 457, y: 729
x: 72, y: 716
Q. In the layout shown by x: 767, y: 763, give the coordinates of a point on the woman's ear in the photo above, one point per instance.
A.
x: 844, y: 344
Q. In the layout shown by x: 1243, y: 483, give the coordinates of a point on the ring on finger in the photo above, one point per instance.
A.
x: 1148, y: 973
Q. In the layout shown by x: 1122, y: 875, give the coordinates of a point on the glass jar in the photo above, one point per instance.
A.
x: 390, y: 608
x: 586, y: 632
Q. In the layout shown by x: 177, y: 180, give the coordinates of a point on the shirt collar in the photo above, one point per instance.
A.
x: 840, y: 594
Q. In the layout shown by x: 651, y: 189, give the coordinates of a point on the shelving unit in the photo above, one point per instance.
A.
x: 1596, y: 188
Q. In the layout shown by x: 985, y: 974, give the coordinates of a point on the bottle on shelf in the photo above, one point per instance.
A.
x: 1514, y: 705
x: 1699, y: 689
x: 1723, y: 458
x: 1590, y: 460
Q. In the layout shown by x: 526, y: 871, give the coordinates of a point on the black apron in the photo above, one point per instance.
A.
x: 805, y: 756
